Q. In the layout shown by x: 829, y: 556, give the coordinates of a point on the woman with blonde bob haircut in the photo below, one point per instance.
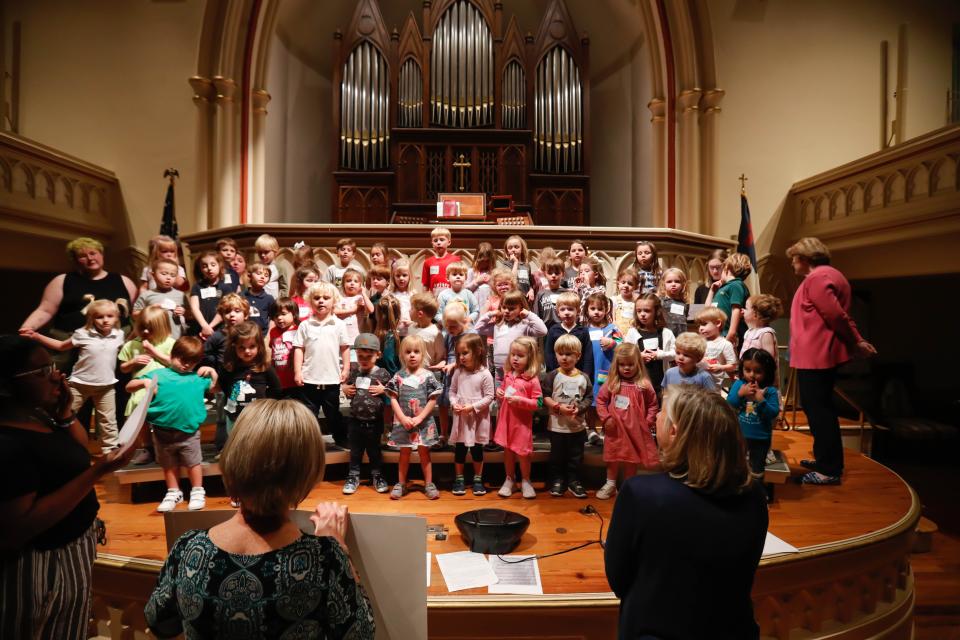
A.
x: 684, y: 544
x: 273, y: 459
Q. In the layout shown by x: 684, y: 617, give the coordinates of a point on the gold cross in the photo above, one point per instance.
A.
x: 462, y: 165
x: 743, y: 179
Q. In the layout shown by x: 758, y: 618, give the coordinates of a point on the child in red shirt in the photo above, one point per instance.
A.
x: 434, y: 275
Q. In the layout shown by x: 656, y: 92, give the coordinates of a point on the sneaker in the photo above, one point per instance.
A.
x: 170, y: 501
x: 815, y: 477
x: 607, y: 491
x: 595, y: 439
x: 142, y: 456
x: 398, y: 491
x: 507, y: 489
x: 459, y: 486
x: 478, y: 488
x: 351, y: 485
x: 234, y: 503
x: 527, y: 489
x: 557, y: 489
x: 577, y: 489
x: 492, y: 446
x: 809, y: 464
x: 431, y: 491
x: 380, y: 485
x: 198, y: 499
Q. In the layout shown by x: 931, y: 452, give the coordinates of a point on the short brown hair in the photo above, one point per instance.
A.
x: 810, y: 249
x: 425, y: 302
x: 226, y: 242
x: 739, y: 265
x: 766, y: 306
x: 711, y: 314
x: 187, y: 349
x: 692, y: 344
x: 273, y: 458
x: 708, y: 452
x: 631, y: 274
x: 167, y: 261
x: 553, y: 265
x: 256, y: 267
x: 514, y: 298
x: 347, y: 242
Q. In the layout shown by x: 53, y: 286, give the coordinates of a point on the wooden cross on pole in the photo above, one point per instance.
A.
x: 743, y: 179
x: 462, y: 164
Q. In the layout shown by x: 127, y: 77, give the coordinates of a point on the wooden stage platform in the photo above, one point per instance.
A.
x: 851, y: 579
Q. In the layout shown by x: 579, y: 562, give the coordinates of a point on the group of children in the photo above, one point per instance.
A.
x: 488, y: 344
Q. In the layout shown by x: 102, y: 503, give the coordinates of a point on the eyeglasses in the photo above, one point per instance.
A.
x: 44, y: 371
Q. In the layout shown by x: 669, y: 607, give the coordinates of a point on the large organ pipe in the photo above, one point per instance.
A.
x: 364, y: 96
x: 461, y: 61
x: 514, y: 97
x: 558, y: 113
x: 411, y: 95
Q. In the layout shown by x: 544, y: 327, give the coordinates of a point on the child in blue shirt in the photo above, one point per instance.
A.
x: 689, y: 348
x: 757, y: 403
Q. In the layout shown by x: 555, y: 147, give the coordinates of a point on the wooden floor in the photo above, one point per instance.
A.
x: 870, y: 499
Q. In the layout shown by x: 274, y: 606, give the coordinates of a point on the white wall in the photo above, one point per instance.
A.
x: 107, y: 82
x: 802, y: 83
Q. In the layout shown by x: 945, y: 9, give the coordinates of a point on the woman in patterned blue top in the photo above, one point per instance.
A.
x: 256, y: 575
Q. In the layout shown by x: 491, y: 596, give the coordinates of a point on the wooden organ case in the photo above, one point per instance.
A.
x: 466, y: 105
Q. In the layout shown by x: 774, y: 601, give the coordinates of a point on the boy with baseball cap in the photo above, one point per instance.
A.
x: 365, y: 387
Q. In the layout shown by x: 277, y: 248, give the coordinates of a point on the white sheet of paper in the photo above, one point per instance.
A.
x: 429, y: 555
x: 515, y: 577
x: 465, y: 570
x: 596, y: 334
x: 208, y: 292
x: 134, y: 423
x: 650, y: 344
x: 774, y: 545
x: 676, y: 309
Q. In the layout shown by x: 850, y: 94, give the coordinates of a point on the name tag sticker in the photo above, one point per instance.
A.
x: 227, y: 278
x: 523, y: 274
x: 715, y: 304
x: 208, y: 292
x: 621, y: 402
x: 509, y: 391
x: 304, y: 312
x: 749, y: 409
x: 254, y: 312
x: 362, y: 383
x: 412, y: 381
x: 676, y: 309
x: 626, y: 310
x: 168, y: 304
x: 434, y: 269
x: 596, y: 334
x: 650, y: 344
x: 288, y: 336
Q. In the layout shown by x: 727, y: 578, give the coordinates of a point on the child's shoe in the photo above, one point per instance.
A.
x: 198, y: 499
x: 507, y: 489
x: 459, y: 486
x: 170, y: 501
x: 380, y: 485
x: 234, y: 503
x: 478, y: 488
x: 557, y: 489
x: 431, y: 491
x: 527, y: 489
x: 351, y: 485
x: 595, y: 439
x: 577, y: 489
x: 399, y: 490
x: 607, y: 491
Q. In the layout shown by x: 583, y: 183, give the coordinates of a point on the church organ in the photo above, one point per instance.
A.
x: 465, y: 105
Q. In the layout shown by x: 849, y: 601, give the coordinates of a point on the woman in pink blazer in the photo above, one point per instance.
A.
x: 823, y: 336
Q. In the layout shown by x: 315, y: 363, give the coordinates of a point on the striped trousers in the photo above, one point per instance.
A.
x: 46, y: 594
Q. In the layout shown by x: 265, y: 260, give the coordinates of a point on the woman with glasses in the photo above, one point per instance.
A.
x: 48, y: 506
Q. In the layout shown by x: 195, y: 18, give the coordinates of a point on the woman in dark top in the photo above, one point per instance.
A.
x: 714, y: 271
x: 256, y: 575
x: 684, y: 545
x: 47, y: 503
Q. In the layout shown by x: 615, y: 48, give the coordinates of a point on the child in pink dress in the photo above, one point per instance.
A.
x: 627, y: 408
x: 518, y: 396
x: 471, y: 394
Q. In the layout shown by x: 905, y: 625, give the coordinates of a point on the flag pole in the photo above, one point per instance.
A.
x: 745, y: 241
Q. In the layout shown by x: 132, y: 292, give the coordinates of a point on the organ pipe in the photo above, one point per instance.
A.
x: 461, y: 62
x: 364, y: 97
x: 513, y: 104
x: 558, y: 114
x: 411, y: 95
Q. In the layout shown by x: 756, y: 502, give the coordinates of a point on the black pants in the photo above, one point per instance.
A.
x: 327, y: 398
x: 816, y: 396
x: 460, y: 453
x: 757, y: 454
x: 566, y: 455
x: 365, y: 436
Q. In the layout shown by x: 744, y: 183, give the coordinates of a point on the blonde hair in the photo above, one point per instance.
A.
x: 99, y: 306
x: 157, y: 262
x: 233, y: 301
x: 455, y: 311
x: 711, y: 314
x: 692, y: 344
x: 529, y: 345
x: 319, y: 288
x: 413, y: 341
x: 568, y: 299
x: 456, y: 267
x: 597, y: 268
x: 503, y: 274
x: 83, y: 244
x: 739, y: 265
x: 441, y: 231
x: 157, y: 243
x: 273, y: 458
x: 673, y: 271
x: 624, y: 351
x: 567, y: 343
x: 810, y: 249
x: 708, y: 451
x: 156, y: 321
x: 266, y: 242
x: 425, y: 302
x: 766, y: 307
x: 523, y: 247
x: 631, y: 274
x: 397, y: 266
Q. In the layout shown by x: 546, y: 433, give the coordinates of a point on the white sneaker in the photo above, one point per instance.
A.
x: 607, y: 491
x: 198, y: 499
x: 170, y: 501
x: 507, y: 489
x: 234, y: 503
x: 527, y: 489
x: 595, y: 439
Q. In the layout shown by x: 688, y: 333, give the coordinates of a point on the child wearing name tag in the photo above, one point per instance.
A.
x: 720, y: 359
x: 690, y: 348
x: 673, y: 293
x: 591, y: 280
x: 624, y: 303
x: 267, y: 249
x: 366, y: 389
x: 471, y: 394
x: 604, y: 337
x: 247, y: 372
x: 346, y: 248
x: 303, y: 278
x: 567, y: 394
x: 433, y: 276
x: 164, y: 275
x: 650, y: 334
x: 284, y: 315
x: 568, y: 311
x: 516, y: 254
x: 227, y: 248
x: 206, y: 293
x: 512, y: 320
x: 546, y: 304
x: 627, y: 408
x: 354, y: 305
x: 575, y: 257
x: 413, y: 393
x: 479, y: 276
x: 256, y: 295
x: 518, y: 396
x: 457, y: 294
x: 163, y: 247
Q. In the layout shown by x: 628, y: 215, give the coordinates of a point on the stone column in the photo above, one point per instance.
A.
x: 708, y: 154
x: 256, y: 196
x: 658, y: 112
x: 203, y: 94
x: 688, y: 160
x: 225, y: 161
